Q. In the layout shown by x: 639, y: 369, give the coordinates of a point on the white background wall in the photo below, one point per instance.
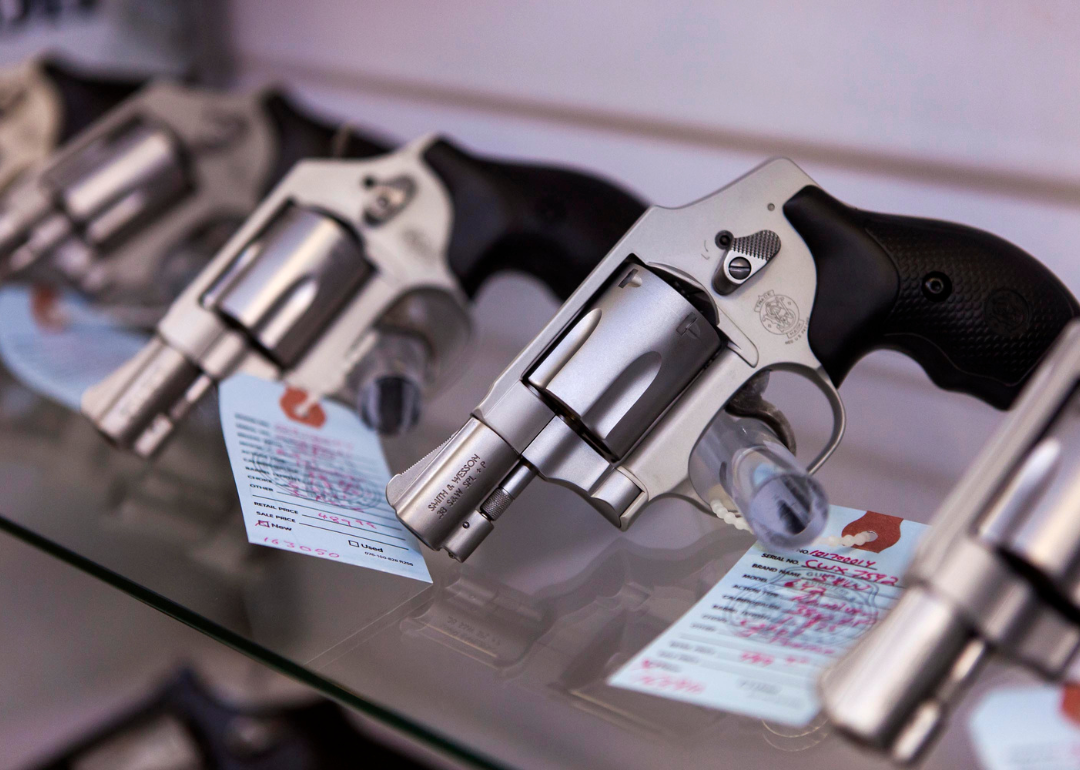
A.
x: 987, y: 87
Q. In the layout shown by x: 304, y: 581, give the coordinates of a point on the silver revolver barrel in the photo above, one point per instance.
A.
x: 998, y: 572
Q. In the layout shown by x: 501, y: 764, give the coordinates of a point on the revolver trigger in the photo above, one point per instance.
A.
x: 748, y: 401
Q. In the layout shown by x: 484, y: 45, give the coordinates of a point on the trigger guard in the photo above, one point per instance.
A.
x: 821, y: 381
x: 825, y: 385
x: 749, y: 401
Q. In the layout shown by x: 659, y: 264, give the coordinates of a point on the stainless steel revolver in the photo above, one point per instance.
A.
x: 113, y: 210
x: 43, y: 103
x: 690, y: 308
x: 999, y: 571
x: 352, y: 279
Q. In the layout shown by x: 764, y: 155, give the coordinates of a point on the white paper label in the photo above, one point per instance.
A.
x: 1023, y: 728
x: 57, y: 345
x: 311, y: 478
x: 757, y: 641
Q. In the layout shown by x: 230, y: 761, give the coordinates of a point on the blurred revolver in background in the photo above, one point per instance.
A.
x: 998, y: 571
x: 352, y: 279
x: 43, y: 103
x: 682, y: 321
x: 186, y: 723
x: 132, y: 207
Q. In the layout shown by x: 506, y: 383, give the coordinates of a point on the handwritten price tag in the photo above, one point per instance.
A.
x: 757, y: 641
x: 311, y: 479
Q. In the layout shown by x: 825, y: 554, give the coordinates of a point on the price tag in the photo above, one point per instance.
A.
x: 757, y: 641
x: 58, y: 345
x: 312, y: 478
x: 1021, y: 728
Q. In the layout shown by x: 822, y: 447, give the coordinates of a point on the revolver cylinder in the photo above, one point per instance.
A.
x: 115, y: 180
x: 285, y: 286
x: 279, y: 293
x: 625, y: 359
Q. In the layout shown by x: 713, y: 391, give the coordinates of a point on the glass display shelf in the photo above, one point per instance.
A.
x: 501, y: 662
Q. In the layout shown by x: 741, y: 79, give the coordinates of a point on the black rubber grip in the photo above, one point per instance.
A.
x: 552, y: 223
x: 301, y: 136
x: 976, y: 312
x: 85, y: 98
